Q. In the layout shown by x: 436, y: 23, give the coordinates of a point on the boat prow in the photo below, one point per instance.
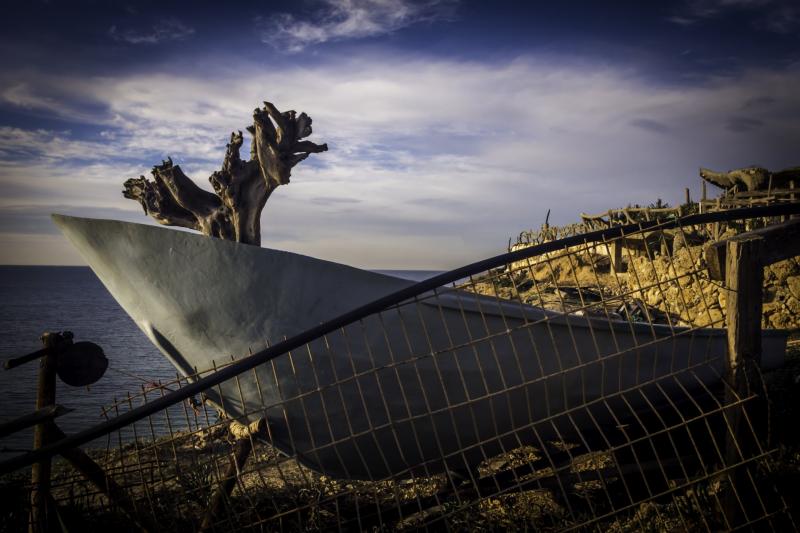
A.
x: 443, y: 380
x: 201, y: 299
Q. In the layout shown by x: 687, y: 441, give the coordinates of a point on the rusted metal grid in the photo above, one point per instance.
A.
x: 554, y: 392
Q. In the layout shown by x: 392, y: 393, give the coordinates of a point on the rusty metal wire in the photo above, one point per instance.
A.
x: 581, y: 388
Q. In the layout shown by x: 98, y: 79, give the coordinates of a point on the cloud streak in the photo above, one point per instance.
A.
x: 776, y: 16
x: 161, y: 31
x: 339, y: 20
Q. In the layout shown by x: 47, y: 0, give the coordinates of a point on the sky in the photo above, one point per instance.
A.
x: 451, y: 125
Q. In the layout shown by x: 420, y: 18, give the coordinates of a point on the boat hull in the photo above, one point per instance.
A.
x: 444, y: 381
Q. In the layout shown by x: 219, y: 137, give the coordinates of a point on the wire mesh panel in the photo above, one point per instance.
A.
x: 578, y: 388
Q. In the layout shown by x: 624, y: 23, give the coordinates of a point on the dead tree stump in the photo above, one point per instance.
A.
x: 241, y: 188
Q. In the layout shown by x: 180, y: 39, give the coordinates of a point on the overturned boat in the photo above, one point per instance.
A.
x: 443, y: 380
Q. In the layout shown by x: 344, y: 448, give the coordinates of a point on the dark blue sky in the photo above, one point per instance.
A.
x: 673, y: 39
x: 452, y: 124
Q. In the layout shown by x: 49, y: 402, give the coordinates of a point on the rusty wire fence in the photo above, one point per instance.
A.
x: 577, y: 385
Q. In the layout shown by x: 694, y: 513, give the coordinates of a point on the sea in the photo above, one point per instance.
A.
x: 36, y: 299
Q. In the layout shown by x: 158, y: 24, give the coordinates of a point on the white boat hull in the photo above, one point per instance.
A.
x: 443, y: 382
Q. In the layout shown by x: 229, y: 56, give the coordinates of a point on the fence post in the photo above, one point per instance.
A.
x: 744, y: 278
x: 40, y: 472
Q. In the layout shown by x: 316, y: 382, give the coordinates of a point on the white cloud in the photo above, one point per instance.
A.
x: 48, y: 145
x: 161, y: 31
x: 432, y: 163
x: 337, y: 20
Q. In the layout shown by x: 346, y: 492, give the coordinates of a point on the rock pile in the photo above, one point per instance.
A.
x: 673, y: 287
x: 679, y: 285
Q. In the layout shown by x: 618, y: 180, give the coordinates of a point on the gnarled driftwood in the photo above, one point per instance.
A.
x: 751, y: 178
x: 241, y: 188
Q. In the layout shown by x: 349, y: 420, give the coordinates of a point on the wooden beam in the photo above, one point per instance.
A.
x: 8, y: 364
x: 104, y: 483
x: 780, y: 242
x: 31, y: 419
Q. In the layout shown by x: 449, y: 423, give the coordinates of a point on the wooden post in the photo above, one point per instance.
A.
x: 40, y: 472
x: 616, y: 255
x: 688, y: 195
x: 740, y: 261
x: 744, y: 277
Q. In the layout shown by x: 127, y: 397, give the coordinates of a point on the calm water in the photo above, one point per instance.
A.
x: 38, y: 299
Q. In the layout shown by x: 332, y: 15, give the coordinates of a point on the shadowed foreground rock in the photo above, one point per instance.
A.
x: 241, y: 188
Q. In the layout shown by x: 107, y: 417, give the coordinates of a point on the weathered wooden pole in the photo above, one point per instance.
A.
x: 744, y: 277
x: 45, y: 397
x: 740, y: 261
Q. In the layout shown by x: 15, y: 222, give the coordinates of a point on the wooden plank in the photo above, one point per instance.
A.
x: 31, y: 419
x: 759, y: 194
x: 781, y: 242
